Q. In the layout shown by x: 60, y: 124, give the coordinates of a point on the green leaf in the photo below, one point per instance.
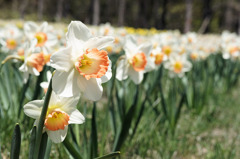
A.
x: 71, y: 149
x: 111, y: 155
x: 94, y: 141
x: 48, y: 149
x: 32, y: 142
x: 41, y: 120
x: 123, y: 132
x: 43, y: 146
x: 16, y: 143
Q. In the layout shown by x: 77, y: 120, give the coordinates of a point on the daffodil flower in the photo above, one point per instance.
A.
x: 134, y: 64
x: 10, y: 39
x: 178, y: 65
x: 33, y: 60
x: 82, y: 66
x: 157, y: 57
x: 46, y: 39
x: 61, y: 112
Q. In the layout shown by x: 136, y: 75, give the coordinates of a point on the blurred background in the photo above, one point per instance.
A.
x: 202, y: 16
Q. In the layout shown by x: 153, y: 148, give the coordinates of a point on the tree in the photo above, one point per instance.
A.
x: 188, y: 16
x: 96, y: 12
x: 121, y: 12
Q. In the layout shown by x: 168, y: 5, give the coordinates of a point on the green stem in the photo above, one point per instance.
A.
x: 41, y: 120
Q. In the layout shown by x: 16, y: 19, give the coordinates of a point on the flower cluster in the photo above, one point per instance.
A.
x: 81, y: 66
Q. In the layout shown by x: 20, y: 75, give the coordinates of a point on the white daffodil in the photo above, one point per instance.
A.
x: 157, y: 57
x: 61, y: 112
x: 33, y: 60
x: 46, y: 39
x: 10, y: 39
x: 134, y: 63
x: 82, y: 66
x: 178, y: 65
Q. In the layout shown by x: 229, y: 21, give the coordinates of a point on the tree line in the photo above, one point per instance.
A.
x: 203, y: 16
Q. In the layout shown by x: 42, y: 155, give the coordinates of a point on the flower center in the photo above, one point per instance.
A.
x: 106, y: 31
x: 139, y: 62
x: 20, y: 52
x: 178, y: 67
x: 158, y: 58
x: 11, y: 44
x: 233, y: 50
x: 93, y: 63
x: 56, y: 120
x: 167, y: 50
x: 36, y: 60
x: 41, y: 38
x: 194, y: 56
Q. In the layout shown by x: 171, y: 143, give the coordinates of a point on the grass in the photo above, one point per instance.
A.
x: 212, y: 134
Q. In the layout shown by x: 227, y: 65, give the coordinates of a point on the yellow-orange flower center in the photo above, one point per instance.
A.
x: 41, y: 38
x: 56, y: 120
x: 37, y: 61
x: 20, y: 52
x: 167, y: 50
x: 47, y: 58
x: 106, y: 31
x: 139, y: 61
x: 194, y: 56
x: 158, y: 58
x: 178, y: 67
x: 232, y: 50
x: 11, y: 44
x: 93, y: 63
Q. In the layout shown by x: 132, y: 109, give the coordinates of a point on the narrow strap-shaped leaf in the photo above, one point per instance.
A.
x: 71, y: 149
x: 94, y: 141
x: 110, y: 156
x: 177, y: 114
x: 38, y: 89
x: 41, y: 120
x: 48, y: 149
x: 23, y: 92
x: 32, y: 142
x: 43, y: 146
x: 16, y: 143
x: 0, y: 151
x: 123, y: 132
x: 111, y: 102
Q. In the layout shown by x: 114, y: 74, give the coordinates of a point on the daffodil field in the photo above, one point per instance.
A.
x: 104, y: 92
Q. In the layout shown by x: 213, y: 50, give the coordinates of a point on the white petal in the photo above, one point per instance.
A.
x: 146, y: 48
x: 61, y: 60
x: 43, y: 27
x: 76, y: 117
x: 91, y: 89
x: 44, y: 84
x: 30, y: 28
x: 108, y: 74
x: 33, y: 109
x: 78, y: 30
x: 130, y: 47
x: 57, y: 136
x: 98, y: 42
x: 65, y: 83
x: 49, y: 76
x: 137, y: 77
x: 69, y: 103
x: 23, y: 68
x: 122, y: 70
